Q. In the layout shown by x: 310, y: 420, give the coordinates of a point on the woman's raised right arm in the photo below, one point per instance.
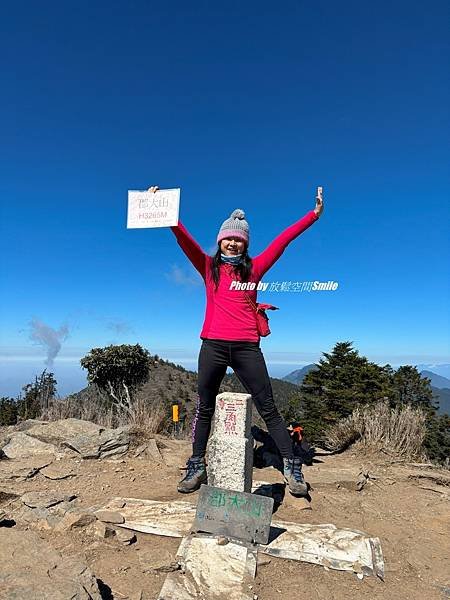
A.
x: 187, y: 243
x: 190, y: 247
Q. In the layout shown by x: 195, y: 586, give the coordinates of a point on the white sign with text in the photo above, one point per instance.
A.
x: 153, y: 209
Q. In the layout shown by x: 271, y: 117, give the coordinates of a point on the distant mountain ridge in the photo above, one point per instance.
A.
x: 437, y: 381
x: 440, y: 385
x: 443, y: 397
x: 443, y: 369
x: 298, y: 375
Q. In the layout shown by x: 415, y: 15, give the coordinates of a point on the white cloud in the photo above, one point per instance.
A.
x: 183, y: 277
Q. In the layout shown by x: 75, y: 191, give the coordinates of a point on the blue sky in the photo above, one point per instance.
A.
x: 248, y: 105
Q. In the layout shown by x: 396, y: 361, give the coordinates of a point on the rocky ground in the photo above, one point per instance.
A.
x: 55, y: 544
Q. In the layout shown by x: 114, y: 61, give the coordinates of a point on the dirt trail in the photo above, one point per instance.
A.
x: 406, y: 510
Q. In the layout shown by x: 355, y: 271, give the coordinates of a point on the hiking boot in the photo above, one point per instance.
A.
x: 195, y: 475
x: 294, y: 477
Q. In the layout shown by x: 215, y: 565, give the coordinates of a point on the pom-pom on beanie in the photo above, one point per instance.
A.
x: 235, y: 226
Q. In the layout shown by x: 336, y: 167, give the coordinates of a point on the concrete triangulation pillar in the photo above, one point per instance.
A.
x: 230, y: 450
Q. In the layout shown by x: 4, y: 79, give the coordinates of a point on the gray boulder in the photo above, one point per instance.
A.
x: 86, y: 439
x: 56, y: 432
x: 22, y: 445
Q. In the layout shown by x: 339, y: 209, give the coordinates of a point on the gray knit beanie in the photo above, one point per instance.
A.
x: 235, y: 226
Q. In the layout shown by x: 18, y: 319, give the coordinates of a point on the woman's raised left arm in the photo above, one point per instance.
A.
x: 265, y: 260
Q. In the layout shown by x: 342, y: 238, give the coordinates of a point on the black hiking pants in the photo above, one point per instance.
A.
x: 247, y: 361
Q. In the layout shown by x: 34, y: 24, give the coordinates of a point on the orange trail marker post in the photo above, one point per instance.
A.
x: 175, y: 417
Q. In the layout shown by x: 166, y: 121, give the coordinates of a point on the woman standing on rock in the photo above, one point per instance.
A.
x: 231, y: 339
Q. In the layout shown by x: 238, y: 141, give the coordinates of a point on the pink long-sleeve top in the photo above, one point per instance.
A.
x: 229, y: 315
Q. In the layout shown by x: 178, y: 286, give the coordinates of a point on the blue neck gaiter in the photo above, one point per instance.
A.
x: 231, y: 260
